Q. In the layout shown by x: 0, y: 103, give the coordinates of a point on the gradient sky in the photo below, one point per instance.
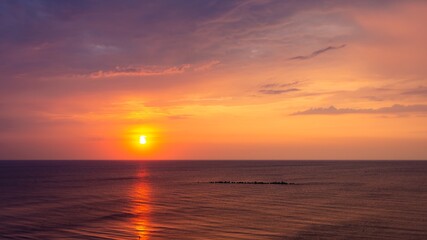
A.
x: 213, y: 79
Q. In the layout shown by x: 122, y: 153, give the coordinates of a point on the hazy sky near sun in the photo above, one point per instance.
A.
x: 213, y: 79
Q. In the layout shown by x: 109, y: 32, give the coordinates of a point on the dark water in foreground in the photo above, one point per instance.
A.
x: 172, y: 200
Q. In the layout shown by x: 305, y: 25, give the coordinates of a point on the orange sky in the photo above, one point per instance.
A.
x: 214, y: 80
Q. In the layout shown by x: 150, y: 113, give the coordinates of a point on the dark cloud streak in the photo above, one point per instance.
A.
x: 395, y: 109
x: 317, y: 52
x: 277, y: 91
x: 421, y: 91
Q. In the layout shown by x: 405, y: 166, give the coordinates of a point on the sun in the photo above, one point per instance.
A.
x: 142, y: 139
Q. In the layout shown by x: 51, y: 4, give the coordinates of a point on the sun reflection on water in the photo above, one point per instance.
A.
x: 141, y: 206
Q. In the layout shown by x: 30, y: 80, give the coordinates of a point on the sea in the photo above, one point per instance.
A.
x: 141, y: 200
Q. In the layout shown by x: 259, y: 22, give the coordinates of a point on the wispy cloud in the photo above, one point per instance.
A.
x: 206, y: 66
x: 279, y: 85
x: 140, y: 71
x: 395, y: 109
x: 278, y: 88
x: 417, y: 91
x: 143, y: 71
x: 317, y: 52
x: 277, y: 91
x: 180, y: 116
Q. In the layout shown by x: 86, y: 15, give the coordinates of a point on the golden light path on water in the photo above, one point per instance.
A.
x: 141, y: 195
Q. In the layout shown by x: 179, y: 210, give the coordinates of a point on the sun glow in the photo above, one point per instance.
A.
x: 142, y: 139
x: 141, y: 142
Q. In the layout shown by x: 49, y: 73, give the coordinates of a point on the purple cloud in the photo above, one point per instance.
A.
x: 422, y: 91
x: 395, y: 109
x: 277, y: 91
x: 317, y: 52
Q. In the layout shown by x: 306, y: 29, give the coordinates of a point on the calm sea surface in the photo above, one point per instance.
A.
x: 173, y: 200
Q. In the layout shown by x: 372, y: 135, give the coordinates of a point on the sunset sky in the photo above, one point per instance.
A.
x: 213, y: 79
